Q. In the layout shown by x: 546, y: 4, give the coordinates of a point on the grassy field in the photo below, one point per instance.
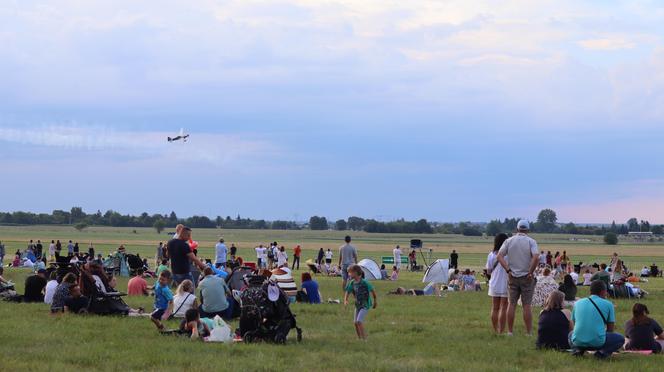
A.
x: 405, y: 333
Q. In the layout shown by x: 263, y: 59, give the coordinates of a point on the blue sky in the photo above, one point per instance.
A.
x: 448, y: 110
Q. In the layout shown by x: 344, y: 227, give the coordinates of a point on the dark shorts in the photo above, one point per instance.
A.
x: 523, y: 288
x: 328, y: 261
x: 157, y: 314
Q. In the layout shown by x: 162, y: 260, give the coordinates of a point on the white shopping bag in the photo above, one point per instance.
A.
x: 221, y: 331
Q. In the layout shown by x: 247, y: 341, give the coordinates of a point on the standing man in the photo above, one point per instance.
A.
x: 260, y: 257
x: 70, y: 248
x: 523, y: 259
x: 2, y: 254
x: 296, y: 257
x: 594, y: 323
x: 347, y: 257
x: 233, y: 251
x: 157, y: 257
x: 39, y: 250
x: 221, y: 251
x: 454, y: 260
x: 181, y: 256
x: 396, y: 252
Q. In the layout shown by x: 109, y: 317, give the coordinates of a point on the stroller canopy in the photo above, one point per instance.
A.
x: 285, y: 281
x: 370, y: 268
x: 438, y: 272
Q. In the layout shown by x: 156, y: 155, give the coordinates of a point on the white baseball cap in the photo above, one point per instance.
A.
x: 523, y: 225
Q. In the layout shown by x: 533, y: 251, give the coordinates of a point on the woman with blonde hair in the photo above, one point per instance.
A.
x: 554, y: 324
x: 184, y: 299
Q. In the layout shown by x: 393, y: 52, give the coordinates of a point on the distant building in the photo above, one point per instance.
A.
x: 640, y: 235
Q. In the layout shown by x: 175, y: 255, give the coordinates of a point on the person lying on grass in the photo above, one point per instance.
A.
x: 360, y: 288
x: 163, y: 300
x: 193, y: 326
x: 430, y: 290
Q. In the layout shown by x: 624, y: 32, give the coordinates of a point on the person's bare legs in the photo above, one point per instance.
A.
x: 511, y: 310
x: 528, y: 318
x: 495, y: 313
x: 360, y: 331
x: 502, y: 317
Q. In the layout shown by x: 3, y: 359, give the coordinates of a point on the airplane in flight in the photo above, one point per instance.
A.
x: 181, y: 136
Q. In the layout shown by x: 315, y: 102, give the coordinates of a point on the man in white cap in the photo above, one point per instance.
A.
x: 523, y: 258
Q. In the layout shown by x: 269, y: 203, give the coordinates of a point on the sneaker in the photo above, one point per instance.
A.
x: 578, y: 352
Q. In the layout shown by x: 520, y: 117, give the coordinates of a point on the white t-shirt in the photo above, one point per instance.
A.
x: 282, y: 258
x: 586, y: 278
x: 575, y: 276
x: 50, y: 291
x: 397, y: 256
x: 260, y: 252
x: 184, y: 302
x: 328, y: 255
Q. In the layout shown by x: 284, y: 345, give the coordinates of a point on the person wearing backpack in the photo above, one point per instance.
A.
x: 594, y: 320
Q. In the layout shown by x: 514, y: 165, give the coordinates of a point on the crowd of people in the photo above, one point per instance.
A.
x: 520, y: 274
x: 195, y: 290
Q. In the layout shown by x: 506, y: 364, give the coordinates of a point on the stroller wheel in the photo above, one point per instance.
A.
x: 248, y: 338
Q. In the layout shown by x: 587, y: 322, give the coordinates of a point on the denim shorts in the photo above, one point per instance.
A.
x: 344, y: 271
x: 360, y: 314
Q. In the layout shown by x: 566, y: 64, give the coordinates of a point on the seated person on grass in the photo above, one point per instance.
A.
x: 310, y: 289
x: 602, y: 275
x: 62, y: 292
x: 643, y: 332
x: 34, y: 287
x: 594, y: 320
x: 555, y: 323
x: 163, y: 299
x: 76, y: 303
x: 137, y: 286
x: 193, y: 326
x: 383, y: 272
x: 184, y: 299
x: 214, y: 293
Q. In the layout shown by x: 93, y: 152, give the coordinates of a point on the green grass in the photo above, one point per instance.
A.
x: 405, y: 333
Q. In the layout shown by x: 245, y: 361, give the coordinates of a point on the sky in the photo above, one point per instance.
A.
x: 445, y: 110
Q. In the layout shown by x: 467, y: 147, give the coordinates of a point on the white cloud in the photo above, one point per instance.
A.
x: 615, y: 43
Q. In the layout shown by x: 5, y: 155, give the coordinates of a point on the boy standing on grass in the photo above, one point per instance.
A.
x: 163, y: 299
x: 360, y: 288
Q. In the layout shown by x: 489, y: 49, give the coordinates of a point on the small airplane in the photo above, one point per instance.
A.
x: 181, y: 136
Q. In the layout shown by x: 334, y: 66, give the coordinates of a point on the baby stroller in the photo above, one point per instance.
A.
x: 262, y: 319
x: 100, y: 302
x: 134, y: 262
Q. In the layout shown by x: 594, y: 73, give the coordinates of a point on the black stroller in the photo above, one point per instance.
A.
x: 100, y: 302
x: 262, y: 319
x: 134, y: 262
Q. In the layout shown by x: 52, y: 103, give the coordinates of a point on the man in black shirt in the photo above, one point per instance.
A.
x: 34, y: 287
x: 39, y: 249
x: 180, y: 255
x: 454, y: 260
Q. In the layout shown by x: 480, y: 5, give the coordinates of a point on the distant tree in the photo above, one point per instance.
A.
x: 76, y: 214
x: 219, y: 221
x: 611, y: 238
x: 471, y: 231
x: 613, y: 228
x: 159, y: 225
x: 318, y: 223
x: 657, y: 229
x: 645, y: 226
x: 570, y: 228
x: 81, y: 226
x: 341, y: 225
x: 422, y: 226
x: 546, y: 220
x: 633, y: 224
x: 494, y: 227
x: 356, y: 223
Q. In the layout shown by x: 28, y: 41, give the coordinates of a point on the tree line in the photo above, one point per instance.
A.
x: 547, y: 222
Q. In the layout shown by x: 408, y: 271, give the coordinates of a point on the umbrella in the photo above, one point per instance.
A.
x: 437, y: 272
x: 370, y: 268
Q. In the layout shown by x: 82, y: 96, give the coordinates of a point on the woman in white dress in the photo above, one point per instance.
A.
x: 497, y: 286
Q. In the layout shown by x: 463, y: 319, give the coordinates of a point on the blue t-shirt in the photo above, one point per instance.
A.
x: 589, y: 327
x: 162, y: 296
x: 312, y: 291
